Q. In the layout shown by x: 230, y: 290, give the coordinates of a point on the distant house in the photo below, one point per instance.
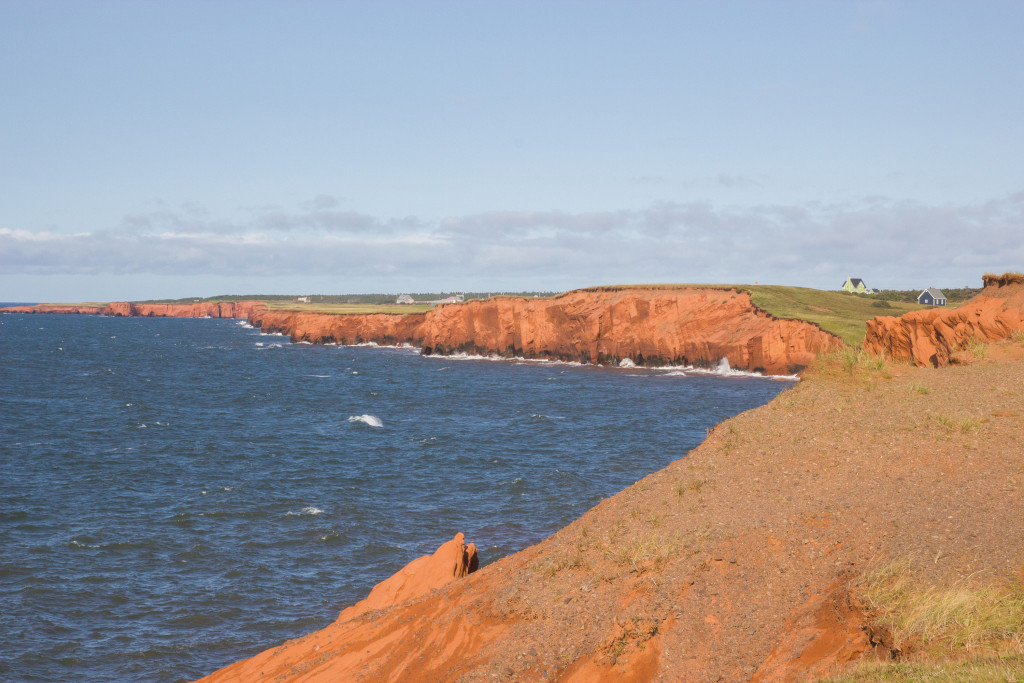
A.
x: 855, y: 285
x: 456, y: 299
x: 931, y: 297
x: 405, y: 299
x: 302, y: 299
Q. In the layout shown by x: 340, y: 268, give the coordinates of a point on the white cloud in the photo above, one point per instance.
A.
x: 889, y: 243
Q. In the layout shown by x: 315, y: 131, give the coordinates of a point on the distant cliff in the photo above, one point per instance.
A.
x: 648, y: 325
x: 227, y: 309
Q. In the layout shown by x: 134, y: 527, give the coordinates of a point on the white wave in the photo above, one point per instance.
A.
x: 245, y: 324
x: 273, y: 334
x: 320, y: 376
x: 369, y: 420
x: 309, y: 510
x: 495, y: 358
x: 307, y: 343
x: 721, y: 369
x: 627, y: 363
x: 141, y: 426
x: 76, y: 544
x: 261, y: 347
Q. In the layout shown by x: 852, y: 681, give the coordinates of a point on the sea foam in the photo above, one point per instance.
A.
x: 370, y: 420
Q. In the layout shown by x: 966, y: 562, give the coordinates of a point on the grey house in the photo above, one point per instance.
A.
x: 931, y: 297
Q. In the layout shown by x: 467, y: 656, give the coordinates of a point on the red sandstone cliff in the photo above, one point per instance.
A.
x: 933, y: 336
x: 650, y: 326
x: 227, y: 309
x: 324, y: 328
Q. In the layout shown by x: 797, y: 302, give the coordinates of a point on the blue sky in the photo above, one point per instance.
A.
x: 170, y: 149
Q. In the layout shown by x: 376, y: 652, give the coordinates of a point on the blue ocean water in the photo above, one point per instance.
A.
x: 177, y: 494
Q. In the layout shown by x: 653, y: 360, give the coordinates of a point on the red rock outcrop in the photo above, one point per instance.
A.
x: 650, y: 326
x: 932, y: 337
x: 453, y: 560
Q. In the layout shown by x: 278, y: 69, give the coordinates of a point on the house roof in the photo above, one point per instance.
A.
x: 936, y: 294
x: 855, y: 281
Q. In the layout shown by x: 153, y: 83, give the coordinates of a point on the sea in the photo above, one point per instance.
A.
x: 179, y: 494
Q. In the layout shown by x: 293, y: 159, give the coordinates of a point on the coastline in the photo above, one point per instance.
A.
x: 747, y: 559
x: 646, y: 326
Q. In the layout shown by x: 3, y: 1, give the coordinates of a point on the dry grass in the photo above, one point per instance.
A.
x: 856, y: 362
x: 349, y: 309
x: 943, y: 620
x: 976, y: 670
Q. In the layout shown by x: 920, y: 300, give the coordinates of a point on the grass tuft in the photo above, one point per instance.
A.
x: 974, y: 670
x: 943, y: 620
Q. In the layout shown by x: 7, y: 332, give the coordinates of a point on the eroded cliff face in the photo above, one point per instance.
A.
x: 325, y: 328
x: 225, y: 309
x: 650, y: 326
x: 934, y: 337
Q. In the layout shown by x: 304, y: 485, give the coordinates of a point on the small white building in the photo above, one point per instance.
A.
x: 405, y: 299
x: 302, y: 299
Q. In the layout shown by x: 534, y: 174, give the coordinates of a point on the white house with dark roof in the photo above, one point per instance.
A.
x: 931, y: 297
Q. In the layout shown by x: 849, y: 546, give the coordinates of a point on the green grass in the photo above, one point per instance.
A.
x: 844, y: 315
x: 347, y: 309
